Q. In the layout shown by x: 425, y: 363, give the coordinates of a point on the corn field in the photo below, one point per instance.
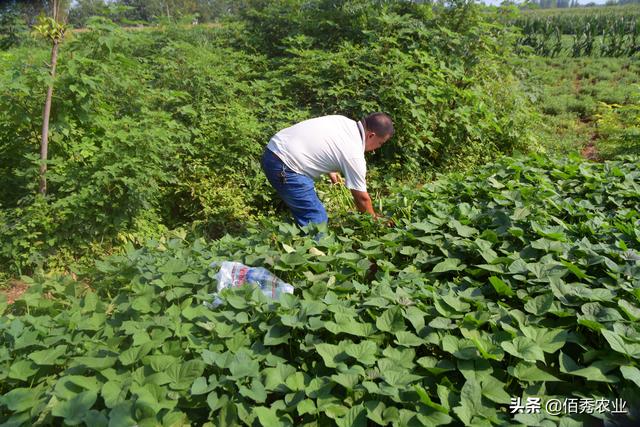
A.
x: 608, y: 32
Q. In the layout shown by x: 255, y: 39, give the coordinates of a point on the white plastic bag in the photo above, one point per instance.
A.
x: 235, y: 274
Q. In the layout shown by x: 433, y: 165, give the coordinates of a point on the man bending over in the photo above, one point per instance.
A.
x: 298, y: 155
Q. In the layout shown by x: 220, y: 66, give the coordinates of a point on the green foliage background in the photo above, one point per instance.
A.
x: 161, y: 128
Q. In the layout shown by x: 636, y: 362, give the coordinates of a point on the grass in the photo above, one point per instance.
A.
x: 574, y: 95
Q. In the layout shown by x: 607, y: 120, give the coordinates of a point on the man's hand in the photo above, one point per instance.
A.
x: 363, y: 204
x: 335, y: 178
x: 389, y: 222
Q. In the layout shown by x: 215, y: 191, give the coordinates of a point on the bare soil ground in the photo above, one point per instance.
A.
x: 590, y: 152
x: 15, y: 290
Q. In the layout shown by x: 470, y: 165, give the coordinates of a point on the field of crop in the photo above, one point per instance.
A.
x: 602, y: 31
x: 518, y: 282
x: 502, y: 288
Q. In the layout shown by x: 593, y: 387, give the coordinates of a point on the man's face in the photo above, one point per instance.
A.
x: 373, y: 141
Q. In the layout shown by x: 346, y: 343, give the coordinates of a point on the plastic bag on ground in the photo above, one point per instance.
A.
x: 235, y: 274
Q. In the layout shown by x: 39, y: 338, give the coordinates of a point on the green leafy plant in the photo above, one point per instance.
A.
x: 517, y: 281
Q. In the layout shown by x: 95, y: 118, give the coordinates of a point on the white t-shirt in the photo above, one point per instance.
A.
x: 322, y: 145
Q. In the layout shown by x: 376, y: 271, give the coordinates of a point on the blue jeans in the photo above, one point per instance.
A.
x: 297, y: 191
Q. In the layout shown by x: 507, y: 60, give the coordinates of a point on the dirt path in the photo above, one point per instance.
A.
x: 590, y: 152
x: 15, y: 290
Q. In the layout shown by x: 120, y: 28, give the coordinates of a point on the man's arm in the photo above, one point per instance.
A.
x: 363, y: 202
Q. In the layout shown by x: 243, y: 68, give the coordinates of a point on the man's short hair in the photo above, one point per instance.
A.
x: 379, y: 123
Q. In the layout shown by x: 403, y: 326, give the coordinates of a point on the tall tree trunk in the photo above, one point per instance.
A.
x: 44, y: 144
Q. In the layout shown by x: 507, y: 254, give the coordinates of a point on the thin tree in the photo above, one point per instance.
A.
x: 53, y: 29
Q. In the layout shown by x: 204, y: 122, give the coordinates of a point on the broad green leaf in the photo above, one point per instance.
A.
x: 152, y: 398
x: 375, y: 410
x: 268, y: 417
x: 461, y: 348
x: 442, y: 323
x: 143, y: 304
x: 433, y: 418
x: 398, y: 378
x: 331, y: 354
x: 619, y: 344
x: 424, y: 398
x: 391, y: 321
x: 256, y: 392
x: 493, y: 389
x: 486, y: 348
x: 436, y: 366
x: 445, y: 310
x: 183, y: 375
x: 96, y: 418
x: 540, y: 305
x: 318, y: 388
x: 416, y: 317
x: 352, y: 328
x: 68, y: 386
x: 276, y: 334
x: 501, y: 287
x: 399, y: 357
x: 355, y: 417
x: 20, y: 399
x: 486, y: 251
x: 597, y: 312
x: 93, y: 323
x: 407, y: 339
x: 477, y: 369
x: 527, y: 371
x: 364, y: 352
x: 215, y: 403
x: 524, y: 348
x: 296, y: 381
x: 292, y: 259
x: 134, y: 354
x: 122, y: 415
x: 549, y: 340
x: 174, y: 265
x: 455, y: 301
x: 22, y: 370
x: 307, y: 406
x: 49, y: 356
x: 470, y: 401
x: 631, y: 373
x: 521, y: 213
x: 463, y: 230
x: 347, y: 381
x: 275, y: 377
x: 28, y: 338
x: 632, y: 312
x: 288, y: 249
x: 594, y: 372
x: 160, y: 362
x: 200, y: 386
x: 449, y: 264
x: 74, y: 410
x: 95, y: 363
x: 113, y: 393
